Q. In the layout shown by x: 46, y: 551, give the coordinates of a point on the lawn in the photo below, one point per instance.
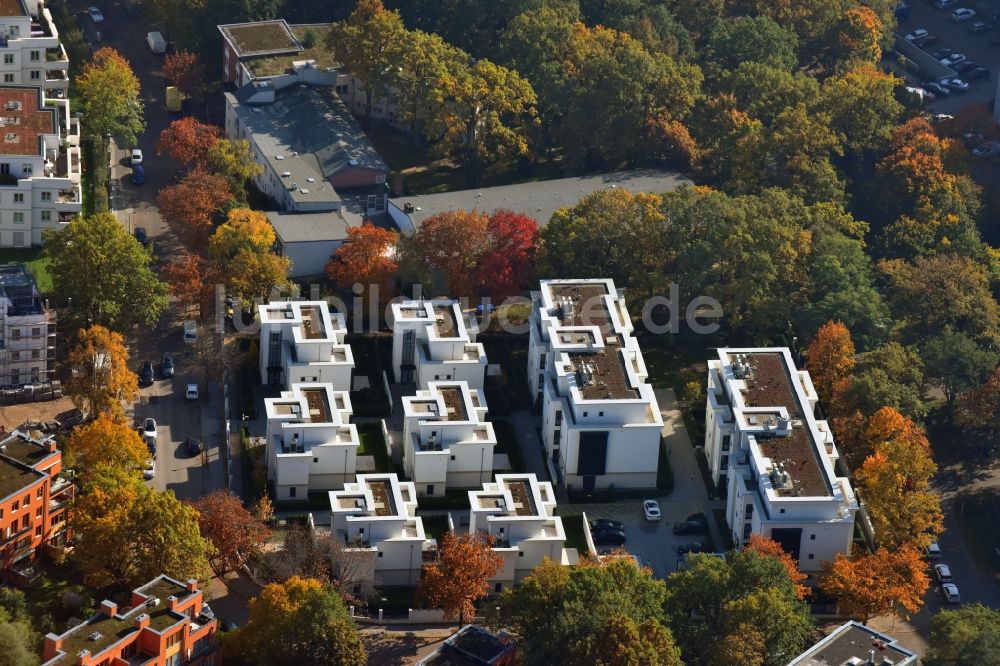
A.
x: 37, y: 265
x: 373, y: 444
x: 977, y: 514
x: 573, y: 524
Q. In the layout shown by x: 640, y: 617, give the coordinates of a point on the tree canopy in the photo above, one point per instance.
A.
x: 109, y: 97
x: 102, y: 381
x: 460, y: 575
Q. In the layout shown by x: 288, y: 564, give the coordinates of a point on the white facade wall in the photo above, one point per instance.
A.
x: 288, y: 354
x: 393, y: 542
x: 304, y: 454
x: 309, y: 258
x: 28, y: 344
x: 440, y: 452
x: 33, y: 54
x: 455, y: 356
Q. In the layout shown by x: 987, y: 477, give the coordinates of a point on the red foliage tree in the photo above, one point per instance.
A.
x: 452, y: 242
x: 184, y: 71
x: 366, y: 257
x: 507, y: 264
x: 188, y: 140
x: 190, y: 204
x: 234, y: 531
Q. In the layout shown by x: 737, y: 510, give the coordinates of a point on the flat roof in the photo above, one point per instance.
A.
x: 308, y: 227
x: 260, y: 38
x: 854, y: 640
x: 24, y: 450
x: 13, y: 8
x: 444, y: 320
x: 23, y: 120
x: 274, y: 64
x: 454, y: 405
x: 381, y: 491
x: 317, y: 404
x: 539, y: 199
x: 769, y: 384
x: 313, y: 327
x: 15, y: 477
x: 520, y: 493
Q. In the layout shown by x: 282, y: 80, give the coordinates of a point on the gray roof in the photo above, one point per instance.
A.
x: 854, y: 639
x: 308, y: 227
x: 539, y: 199
x: 308, y: 133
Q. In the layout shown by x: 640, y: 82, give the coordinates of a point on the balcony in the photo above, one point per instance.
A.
x: 15, y: 536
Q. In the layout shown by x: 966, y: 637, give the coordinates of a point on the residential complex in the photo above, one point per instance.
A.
x: 433, y: 340
x: 39, y: 165
x: 302, y: 341
x: 311, y: 444
x: 518, y: 512
x: 163, y: 626
x: 376, y: 518
x: 600, y: 420
x: 32, y: 54
x: 27, y: 329
x: 774, y: 458
x: 447, y: 441
x: 854, y: 644
x: 34, y: 501
x: 473, y: 646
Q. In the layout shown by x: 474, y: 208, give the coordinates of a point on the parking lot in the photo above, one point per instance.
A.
x: 949, y: 34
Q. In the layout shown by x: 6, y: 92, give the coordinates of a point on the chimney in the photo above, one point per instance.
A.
x: 172, y: 602
x: 109, y: 608
x: 192, y: 585
x: 51, y: 446
x: 142, y: 621
x: 871, y: 657
x: 53, y: 644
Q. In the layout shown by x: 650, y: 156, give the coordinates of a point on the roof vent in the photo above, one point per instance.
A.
x: 304, y: 191
x: 279, y: 157
x: 353, y: 162
x: 310, y: 179
x: 286, y: 174
x: 153, y: 601
x: 96, y: 636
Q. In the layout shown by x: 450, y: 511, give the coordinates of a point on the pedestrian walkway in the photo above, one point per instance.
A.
x: 532, y: 452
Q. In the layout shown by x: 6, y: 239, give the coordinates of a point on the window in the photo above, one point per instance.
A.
x: 27, y: 500
x: 15, y: 356
x: 8, y: 78
x: 38, y: 531
x: 315, y: 460
x: 36, y: 56
x: 15, y: 333
x: 27, y: 168
x: 430, y: 489
x: 812, y: 537
x: 782, y: 511
x: 24, y: 522
x: 520, y: 553
x: 559, y: 418
x: 15, y: 506
x: 175, y: 638
x: 38, y: 512
x: 46, y: 196
x: 41, y: 491
x: 380, y: 553
x: 35, y: 75
x: 8, y: 58
x: 36, y: 353
x: 4, y: 168
x: 453, y: 457
x: 437, y: 376
x: 498, y: 588
x: 725, y: 442
x: 291, y: 491
x: 36, y: 331
x: 748, y: 514
x: 585, y: 414
x: 18, y: 197
x: 600, y: 413
x: 724, y: 462
x: 46, y: 216
x: 811, y: 556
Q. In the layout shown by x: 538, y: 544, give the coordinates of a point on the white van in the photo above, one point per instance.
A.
x: 190, y: 332
x: 156, y: 42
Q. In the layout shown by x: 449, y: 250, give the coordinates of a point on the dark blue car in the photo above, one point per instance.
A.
x: 138, y: 174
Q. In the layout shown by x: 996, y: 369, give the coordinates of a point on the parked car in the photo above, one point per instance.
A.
x: 609, y: 537
x: 694, y: 547
x: 149, y: 428
x: 950, y: 593
x: 942, y: 573
x: 146, y: 373
x: 979, y: 26
x: 138, y: 174
x: 207, y: 612
x: 944, y: 4
x: 95, y: 14
x: 651, y: 509
x: 141, y: 235
x: 136, y: 156
x: 957, y: 85
x: 936, y: 88
x: 943, y: 53
x: 150, y: 470
x: 933, y: 551
x: 963, y: 14
x: 977, y: 73
x: 965, y: 66
x: 953, y: 59
x: 191, y: 393
x: 689, y: 527
x: 988, y: 149
x: 924, y: 42
x: 151, y: 445
x: 942, y: 117
x: 902, y: 10
x: 167, y: 366
x: 193, y: 446
x: 919, y: 33
x: 605, y: 523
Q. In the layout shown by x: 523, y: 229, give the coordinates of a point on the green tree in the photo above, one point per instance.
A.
x: 713, y: 600
x: 741, y: 39
x: 299, y: 621
x: 425, y: 62
x: 15, y: 645
x: 862, y: 106
x: 109, y: 99
x: 967, y: 635
x: 956, y: 363
x: 764, y: 91
x: 607, y: 612
x: 102, y: 274
x: 233, y: 160
x: 890, y: 376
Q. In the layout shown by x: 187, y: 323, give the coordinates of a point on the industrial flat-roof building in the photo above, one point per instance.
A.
x: 855, y: 644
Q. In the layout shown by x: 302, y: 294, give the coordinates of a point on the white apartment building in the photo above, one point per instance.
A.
x: 376, y: 517
x: 311, y: 444
x: 776, y: 461
x: 432, y: 341
x: 518, y: 512
x: 302, y: 341
x: 27, y: 345
x: 601, y: 422
x: 39, y: 165
x: 32, y: 54
x: 447, y: 441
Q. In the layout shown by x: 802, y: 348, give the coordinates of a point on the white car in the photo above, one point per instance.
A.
x: 95, y: 14
x: 149, y: 428
x: 136, y: 156
x: 919, y: 33
x: 933, y: 551
x: 192, y: 392
x: 150, y: 470
x: 950, y: 592
x: 942, y: 573
x: 962, y: 14
x: 953, y: 59
x: 955, y: 84
x: 652, y: 510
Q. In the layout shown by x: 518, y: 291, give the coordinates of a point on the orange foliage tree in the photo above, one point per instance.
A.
x: 872, y: 585
x: 188, y: 140
x: 831, y: 359
x: 108, y: 440
x: 451, y: 242
x: 460, y: 575
x: 979, y: 408
x: 895, y: 482
x: 190, y: 205
x: 184, y: 70
x: 367, y: 257
x: 771, y: 548
x: 186, y: 276
x: 234, y: 531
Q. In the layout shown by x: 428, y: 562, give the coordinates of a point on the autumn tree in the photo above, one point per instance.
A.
x: 234, y: 532
x: 460, y: 576
x: 244, y: 229
x: 770, y: 548
x: 105, y: 441
x: 102, y: 275
x: 425, y: 61
x: 862, y: 106
x: 895, y: 482
x: 102, y: 380
x: 185, y: 71
x: 131, y: 533
x: 881, y: 583
x: 602, y: 612
x: 188, y: 140
x: 831, y: 359
x: 506, y: 266
x: 233, y: 160
x: 109, y: 98
x: 187, y: 277
x: 298, y: 621
x: 450, y: 242
x: 190, y: 206
x: 254, y: 275
x: 367, y: 257
x: 966, y: 635
x: 956, y: 363
x: 979, y: 408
